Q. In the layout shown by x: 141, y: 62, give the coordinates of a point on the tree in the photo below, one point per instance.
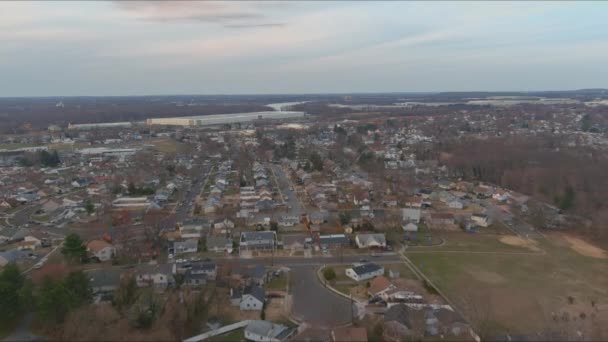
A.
x: 274, y: 226
x: 329, y: 274
x: 73, y: 248
x: 53, y: 301
x: 345, y: 218
x: 316, y: 161
x: 89, y: 207
x: 79, y: 288
x: 126, y: 294
x: 11, y: 303
x: 145, y: 310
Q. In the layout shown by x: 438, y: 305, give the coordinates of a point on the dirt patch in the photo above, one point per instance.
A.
x: 487, y: 276
x: 584, y: 248
x: 520, y: 242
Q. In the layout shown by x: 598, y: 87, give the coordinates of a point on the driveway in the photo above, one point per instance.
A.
x: 315, y: 304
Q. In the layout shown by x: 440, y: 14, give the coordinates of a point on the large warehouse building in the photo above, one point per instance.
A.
x: 220, y: 119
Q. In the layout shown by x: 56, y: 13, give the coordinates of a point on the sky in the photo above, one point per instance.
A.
x: 149, y: 48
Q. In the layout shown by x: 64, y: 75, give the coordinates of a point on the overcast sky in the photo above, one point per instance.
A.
x: 140, y: 48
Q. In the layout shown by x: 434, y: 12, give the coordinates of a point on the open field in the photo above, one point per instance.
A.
x: 168, y: 146
x: 527, y: 292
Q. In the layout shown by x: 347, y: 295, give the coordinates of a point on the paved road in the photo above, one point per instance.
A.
x: 315, y: 304
x: 312, y: 261
x: 22, y: 332
x: 290, y: 197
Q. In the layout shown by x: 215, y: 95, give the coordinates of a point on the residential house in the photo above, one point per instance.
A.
x: 390, y: 200
x: 262, y: 240
x: 318, y: 217
x: 379, y: 286
x: 289, y: 221
x: 414, y: 202
x: 371, y: 240
x: 103, y: 281
x: 101, y: 249
x: 12, y: 256
x: 294, y: 242
x: 500, y: 195
x: 265, y: 331
x: 411, y: 215
x: 159, y: 276
x: 219, y: 244
x: 364, y: 271
x: 398, y: 323
x: 253, y: 298
x: 456, y: 204
x: 186, y: 246
x: 481, y: 220
x: 195, y: 279
x: 441, y: 219
x: 410, y: 227
x: 208, y: 268
x: 333, y: 241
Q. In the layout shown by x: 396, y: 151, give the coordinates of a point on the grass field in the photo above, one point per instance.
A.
x: 233, y: 336
x: 168, y: 146
x: 278, y: 283
x: 506, y: 292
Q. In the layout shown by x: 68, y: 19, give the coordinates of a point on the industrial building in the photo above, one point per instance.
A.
x: 221, y: 119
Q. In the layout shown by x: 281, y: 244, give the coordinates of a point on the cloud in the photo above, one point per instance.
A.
x: 227, y: 13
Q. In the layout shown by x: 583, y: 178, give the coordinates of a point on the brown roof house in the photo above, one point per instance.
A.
x: 101, y: 249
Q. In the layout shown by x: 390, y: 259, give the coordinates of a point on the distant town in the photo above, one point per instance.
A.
x: 362, y: 217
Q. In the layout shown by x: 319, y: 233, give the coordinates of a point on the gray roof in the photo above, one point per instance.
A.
x: 187, y: 244
x: 268, y: 329
x: 258, y: 237
x: 366, y: 268
x: 337, y: 239
x: 104, y: 278
x: 13, y: 255
x: 218, y: 242
x: 255, y: 291
x: 203, y: 266
x: 399, y: 313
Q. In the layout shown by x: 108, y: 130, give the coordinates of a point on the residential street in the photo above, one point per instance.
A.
x: 315, y: 304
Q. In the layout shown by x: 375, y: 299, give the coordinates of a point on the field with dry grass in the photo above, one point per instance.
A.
x: 509, y: 285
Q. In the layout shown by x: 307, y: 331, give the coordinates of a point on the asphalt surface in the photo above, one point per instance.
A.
x: 184, y: 210
x: 315, y: 304
x: 23, y: 333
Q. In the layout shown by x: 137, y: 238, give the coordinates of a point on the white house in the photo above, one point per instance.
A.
x: 481, y: 219
x: 187, y: 246
x: 456, y: 204
x: 264, y: 331
x: 410, y: 227
x: 364, y: 271
x: 411, y: 215
x: 253, y: 298
x: 101, y: 249
x: 370, y: 240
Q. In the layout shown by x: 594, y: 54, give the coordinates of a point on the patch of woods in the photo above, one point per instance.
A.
x: 65, y: 310
x: 571, y: 178
x: 53, y: 300
x: 41, y: 158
